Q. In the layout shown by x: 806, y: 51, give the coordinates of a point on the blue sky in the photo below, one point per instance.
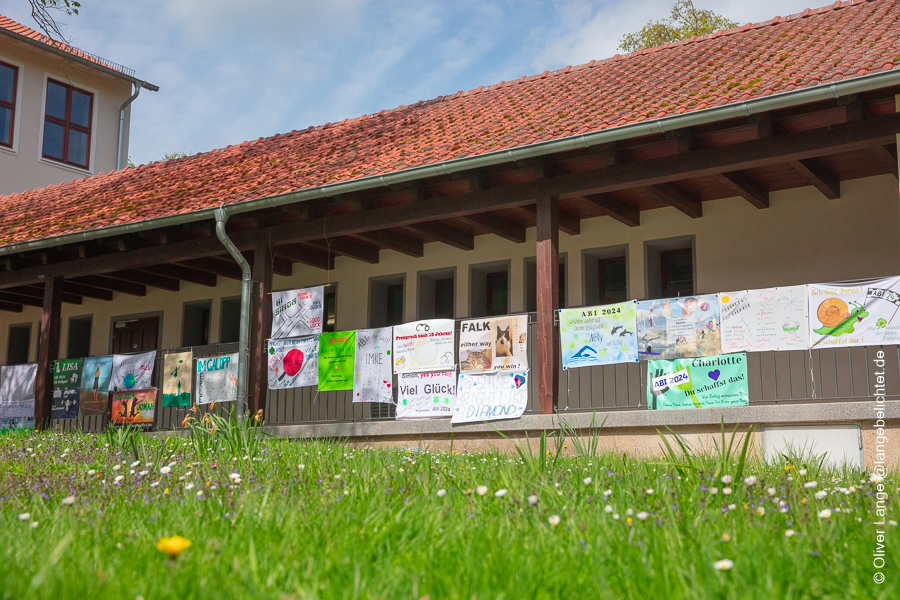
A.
x: 234, y: 70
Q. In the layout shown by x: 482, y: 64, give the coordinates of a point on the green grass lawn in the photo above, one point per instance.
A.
x: 80, y: 518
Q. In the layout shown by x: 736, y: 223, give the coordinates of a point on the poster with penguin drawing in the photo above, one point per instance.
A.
x: 671, y: 328
x: 372, y: 372
x: 854, y: 314
x: 293, y: 363
x: 494, y: 344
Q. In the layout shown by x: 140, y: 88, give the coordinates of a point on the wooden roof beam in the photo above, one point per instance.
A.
x: 87, y: 291
x: 396, y: 241
x: 498, y: 226
x: 10, y: 307
x: 441, y: 232
x: 351, y: 248
x: 819, y: 176
x: 745, y: 187
x: 615, y: 208
x: 6, y: 296
x: 888, y: 156
x: 306, y: 255
x: 673, y: 195
x: 214, y: 266
x: 185, y: 273
x: 567, y: 223
x: 169, y: 284
x: 108, y: 283
x: 37, y: 291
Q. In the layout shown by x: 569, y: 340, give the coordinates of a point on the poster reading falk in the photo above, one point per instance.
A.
x: 132, y: 371
x: 336, y: 357
x: 490, y: 396
x: 17, y: 391
x: 136, y: 407
x: 372, y: 372
x: 494, y: 344
x: 293, y: 363
x: 177, y: 369
x: 426, y: 395
x: 66, y: 389
x: 598, y: 335
x: 95, y: 376
x: 678, y: 327
x: 704, y: 382
x: 297, y: 313
x: 854, y: 314
x: 217, y: 378
x: 423, y: 346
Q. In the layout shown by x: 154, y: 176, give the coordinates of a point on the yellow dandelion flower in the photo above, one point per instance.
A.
x: 173, y: 546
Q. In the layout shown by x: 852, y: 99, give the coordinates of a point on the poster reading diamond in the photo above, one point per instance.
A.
x: 217, y: 378
x: 678, y: 327
x: 423, y: 346
x: 706, y: 382
x: 490, y: 396
x: 293, y: 363
x: 760, y: 320
x: 494, y: 344
x: 598, y: 335
x: 372, y: 373
x: 854, y: 314
x: 66, y: 388
x: 17, y: 391
x: 132, y: 371
x: 297, y: 313
x: 426, y: 395
x: 95, y: 376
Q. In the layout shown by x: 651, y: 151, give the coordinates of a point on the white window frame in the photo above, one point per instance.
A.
x: 95, y: 113
x: 17, y: 119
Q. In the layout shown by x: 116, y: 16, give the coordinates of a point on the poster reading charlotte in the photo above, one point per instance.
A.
x: 598, y: 335
x: 217, y: 378
x: 423, y: 346
x: 706, y: 382
x: 858, y: 314
x: 678, y: 327
x: 372, y: 372
x: 426, y: 395
x: 494, y: 344
x: 95, y: 376
x: 293, y: 363
x: 17, y: 391
x: 297, y: 313
x: 760, y: 320
x: 66, y: 389
x: 490, y: 396
x: 135, y: 407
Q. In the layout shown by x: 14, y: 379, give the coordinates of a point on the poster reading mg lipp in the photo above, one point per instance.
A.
x: 494, y: 344
x: 426, y: 395
x: 136, y: 407
x: 297, y: 313
x: 678, y: 327
x: 17, y: 391
x: 705, y: 382
x: 423, y: 346
x: 66, y: 388
x: 857, y: 314
x: 768, y: 319
x: 372, y: 372
x: 293, y: 363
x: 598, y: 335
x: 217, y: 378
x: 490, y: 396
x: 336, y: 357
x: 177, y: 369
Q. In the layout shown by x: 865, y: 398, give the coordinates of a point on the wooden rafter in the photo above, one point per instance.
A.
x: 615, y: 208
x: 819, y: 176
x: 745, y: 187
x: 441, y: 232
x: 351, y: 248
x: 306, y: 255
x: 498, y: 226
x: 185, y: 273
x: 887, y: 155
x: 396, y: 241
x: 675, y: 196
x: 116, y: 285
x: 567, y: 223
x: 162, y: 282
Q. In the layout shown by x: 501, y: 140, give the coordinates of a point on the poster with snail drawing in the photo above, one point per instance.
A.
x: 854, y: 314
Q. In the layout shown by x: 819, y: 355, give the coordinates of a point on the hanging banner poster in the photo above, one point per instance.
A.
x: 217, y: 378
x: 132, y: 371
x: 426, y: 395
x: 297, y: 313
x: 293, y: 363
x: 678, y: 327
x: 423, y: 346
x: 17, y: 391
x: 372, y: 373
x: 135, y: 407
x: 337, y: 353
x: 16, y: 423
x: 494, y: 344
x: 490, y: 396
x: 66, y: 389
x: 177, y: 369
x: 706, y: 382
x: 95, y: 376
x: 598, y: 335
x: 854, y: 314
x: 760, y: 320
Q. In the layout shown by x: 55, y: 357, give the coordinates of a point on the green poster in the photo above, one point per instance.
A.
x: 66, y: 388
x: 706, y: 382
x: 337, y: 352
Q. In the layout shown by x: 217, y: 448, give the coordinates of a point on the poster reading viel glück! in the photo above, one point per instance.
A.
x: 66, y: 389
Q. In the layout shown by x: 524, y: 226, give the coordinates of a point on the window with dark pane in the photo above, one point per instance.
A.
x: 677, y: 272
x: 8, y: 80
x: 395, y: 304
x: 443, y: 298
x: 18, y: 344
x: 497, y: 287
x: 613, y: 280
x: 67, y: 124
x: 78, y: 343
x: 330, y: 312
x: 195, y: 323
x: 230, y: 326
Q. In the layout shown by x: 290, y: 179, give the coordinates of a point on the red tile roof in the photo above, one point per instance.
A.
x: 15, y: 27
x: 816, y: 47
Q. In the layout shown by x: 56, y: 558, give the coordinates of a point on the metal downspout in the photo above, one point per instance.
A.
x: 246, y: 283
x: 122, y: 108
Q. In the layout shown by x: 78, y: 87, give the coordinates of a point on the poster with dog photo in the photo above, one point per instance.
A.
x: 494, y: 344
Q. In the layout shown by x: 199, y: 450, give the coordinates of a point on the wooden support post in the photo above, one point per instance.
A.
x: 547, y: 302
x: 48, y: 351
x: 260, y: 328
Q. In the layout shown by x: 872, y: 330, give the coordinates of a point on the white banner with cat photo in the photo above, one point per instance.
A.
x: 426, y: 395
x: 494, y: 344
x: 293, y: 363
x: 423, y: 346
x: 372, y: 372
x: 217, y: 378
x: 17, y: 391
x: 763, y: 320
x: 297, y: 313
x: 490, y: 396
x: 854, y: 314
x: 132, y: 372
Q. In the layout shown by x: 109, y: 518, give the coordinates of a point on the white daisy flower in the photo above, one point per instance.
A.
x: 482, y: 490
x: 726, y: 479
x: 34, y: 524
x: 649, y: 491
x: 608, y: 508
x: 554, y: 520
x: 91, y: 472
x: 629, y: 513
x: 825, y: 514
x: 726, y: 491
x: 532, y: 500
x: 820, y: 494
x: 761, y: 511
x: 876, y: 478
x: 732, y: 506
x: 154, y: 484
x: 500, y: 493
x: 607, y: 493
x: 802, y: 471
x: 713, y: 490
x: 144, y: 472
x: 302, y: 466
x: 68, y: 501
x: 189, y: 486
x: 588, y: 481
x: 771, y: 491
x: 441, y: 493
x: 642, y: 516
x: 165, y: 470
x: 135, y: 464
x: 24, y: 516
x: 810, y: 484
x: 750, y: 480
x: 234, y: 476
x: 790, y: 533
x: 116, y: 467
x: 616, y: 516
x: 723, y: 565
x: 118, y: 478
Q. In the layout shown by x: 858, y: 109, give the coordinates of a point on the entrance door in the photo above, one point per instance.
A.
x: 136, y: 335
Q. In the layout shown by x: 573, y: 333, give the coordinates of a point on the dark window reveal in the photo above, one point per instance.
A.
x: 19, y: 344
x: 677, y: 272
x: 78, y: 343
x: 8, y: 80
x: 395, y: 304
x: 443, y: 298
x: 613, y: 281
x: 67, y: 124
x: 330, y: 312
x: 497, y: 288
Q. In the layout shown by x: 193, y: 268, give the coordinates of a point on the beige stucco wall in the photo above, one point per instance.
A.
x: 801, y: 238
x: 23, y: 168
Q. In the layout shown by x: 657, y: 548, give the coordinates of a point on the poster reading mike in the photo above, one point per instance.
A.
x: 494, y: 344
x: 293, y: 363
x: 297, y: 313
x: 372, y: 372
x: 678, y: 327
